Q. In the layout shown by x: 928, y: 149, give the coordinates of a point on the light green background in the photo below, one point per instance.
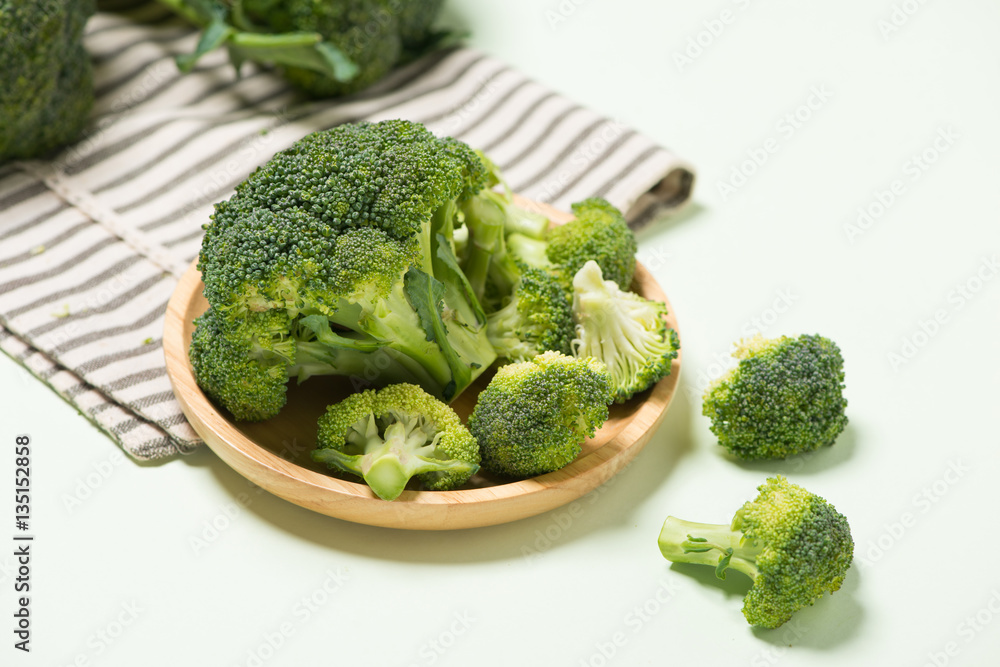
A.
x: 916, y: 471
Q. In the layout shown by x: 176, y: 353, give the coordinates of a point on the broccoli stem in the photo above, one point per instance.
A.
x: 527, y: 223
x: 390, y: 459
x: 531, y: 251
x: 712, y: 544
x: 484, y: 218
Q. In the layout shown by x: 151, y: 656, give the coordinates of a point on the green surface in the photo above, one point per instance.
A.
x: 187, y: 563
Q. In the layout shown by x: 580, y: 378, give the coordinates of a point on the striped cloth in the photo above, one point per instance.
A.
x: 92, y: 243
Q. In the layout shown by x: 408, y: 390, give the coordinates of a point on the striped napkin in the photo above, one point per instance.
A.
x: 92, y: 242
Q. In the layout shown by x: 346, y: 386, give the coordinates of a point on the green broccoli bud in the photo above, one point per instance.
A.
x: 625, y: 331
x: 46, y: 77
x: 537, y: 318
x: 784, y: 397
x: 793, y: 545
x: 533, y: 416
x: 597, y: 233
x: 346, y: 239
x: 389, y: 436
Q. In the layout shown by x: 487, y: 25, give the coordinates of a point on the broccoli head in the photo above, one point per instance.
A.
x: 598, y: 232
x: 46, y: 77
x: 793, y: 545
x: 537, y: 318
x: 389, y: 436
x: 324, y: 48
x: 534, y: 415
x: 624, y: 330
x: 336, y: 257
x: 784, y: 397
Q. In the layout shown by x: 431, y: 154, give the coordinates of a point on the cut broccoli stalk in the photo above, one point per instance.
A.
x: 389, y: 459
x: 792, y: 543
x: 624, y: 330
x: 392, y: 435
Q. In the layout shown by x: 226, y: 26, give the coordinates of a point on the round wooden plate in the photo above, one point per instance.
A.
x: 274, y: 454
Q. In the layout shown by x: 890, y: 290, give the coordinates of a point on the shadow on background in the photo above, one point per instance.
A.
x: 808, y: 463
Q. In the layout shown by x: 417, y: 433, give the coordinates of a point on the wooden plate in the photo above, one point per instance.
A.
x: 274, y: 454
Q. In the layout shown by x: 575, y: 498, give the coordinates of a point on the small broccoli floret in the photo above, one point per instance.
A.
x: 389, y: 436
x: 533, y: 416
x: 624, y: 330
x: 538, y: 318
x: 343, y: 244
x: 793, y: 544
x: 785, y: 397
x: 598, y: 233
x: 46, y: 78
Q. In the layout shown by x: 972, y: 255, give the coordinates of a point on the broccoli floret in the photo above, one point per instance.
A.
x: 597, y: 233
x: 537, y: 318
x: 389, y: 436
x: 793, y: 545
x: 624, y: 330
x: 784, y: 397
x: 324, y: 48
x: 342, y: 245
x: 533, y: 416
x: 46, y: 76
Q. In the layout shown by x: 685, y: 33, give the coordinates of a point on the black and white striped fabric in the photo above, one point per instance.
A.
x: 92, y: 243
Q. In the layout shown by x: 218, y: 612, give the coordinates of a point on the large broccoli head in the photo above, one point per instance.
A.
x: 45, y: 78
x: 792, y: 543
x: 785, y: 397
x: 344, y: 241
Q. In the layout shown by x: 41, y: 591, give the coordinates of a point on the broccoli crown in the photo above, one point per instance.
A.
x: 537, y: 318
x: 389, y: 436
x: 806, y: 549
x: 624, y: 330
x: 223, y: 357
x: 347, y: 238
x: 784, y: 397
x: 533, y: 416
x: 46, y: 78
x: 598, y: 233
x: 792, y: 543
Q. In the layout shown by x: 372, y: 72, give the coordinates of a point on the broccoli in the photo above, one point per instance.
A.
x: 537, y: 318
x: 46, y: 77
x: 624, y: 330
x: 785, y: 397
x: 325, y: 48
x: 534, y: 415
x: 793, y: 545
x: 336, y: 257
x: 388, y: 436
